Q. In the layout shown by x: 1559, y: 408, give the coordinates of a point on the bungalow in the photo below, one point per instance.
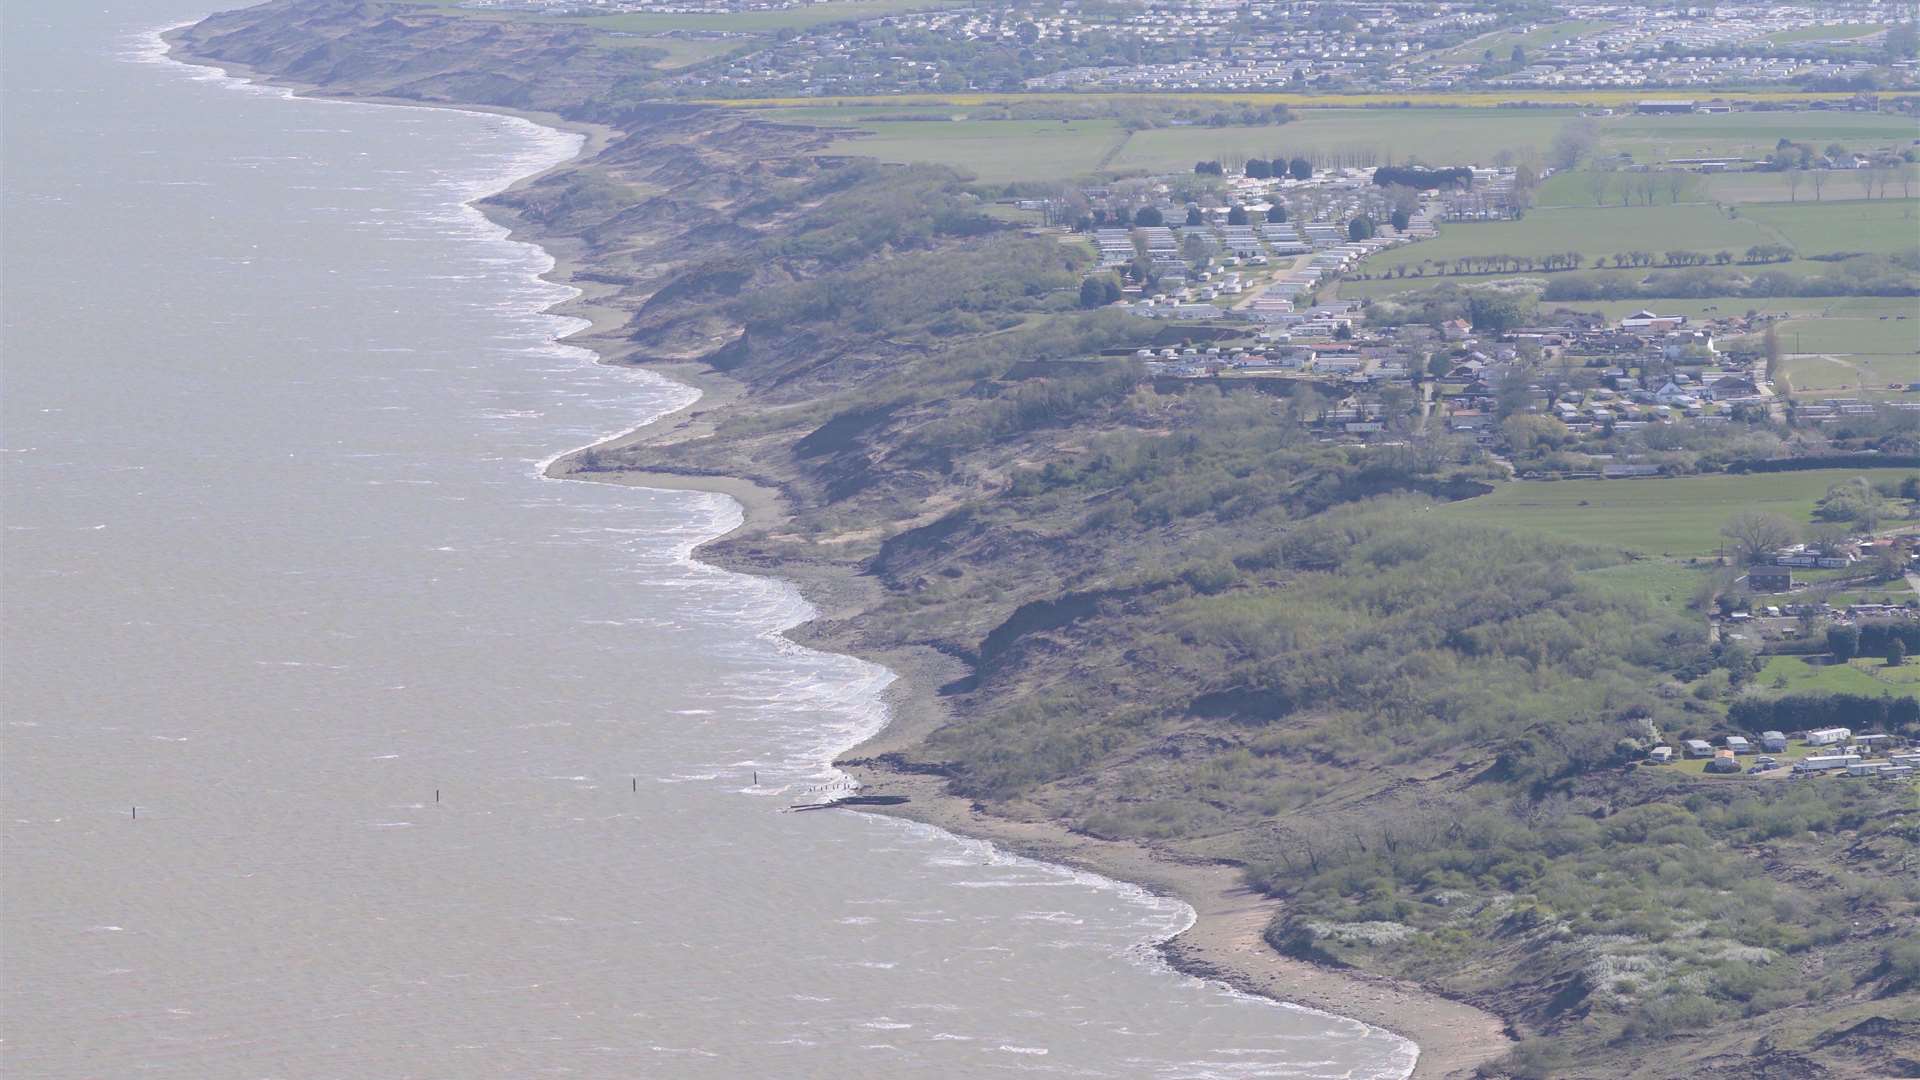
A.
x: 1660, y: 755
x: 1697, y: 748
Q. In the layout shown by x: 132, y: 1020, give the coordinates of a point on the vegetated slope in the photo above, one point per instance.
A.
x: 1187, y: 622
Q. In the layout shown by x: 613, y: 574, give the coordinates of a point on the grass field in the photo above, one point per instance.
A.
x: 1751, y: 135
x: 1589, y: 230
x: 1661, y: 582
x: 1503, y: 41
x: 681, y: 51
x: 993, y: 150
x: 1680, y: 516
x: 1867, y: 377
x: 1435, y: 136
x: 1868, y: 676
x: 1883, y: 226
x: 1826, y: 32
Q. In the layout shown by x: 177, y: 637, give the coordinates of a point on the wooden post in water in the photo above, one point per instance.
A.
x: 636, y: 785
x: 136, y: 813
x: 436, y: 794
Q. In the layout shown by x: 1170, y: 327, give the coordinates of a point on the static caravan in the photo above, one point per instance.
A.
x: 1832, y: 736
x: 1825, y: 763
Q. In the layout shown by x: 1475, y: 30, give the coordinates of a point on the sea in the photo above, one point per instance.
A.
x: 338, y: 742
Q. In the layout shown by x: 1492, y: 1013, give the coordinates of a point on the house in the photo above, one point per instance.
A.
x: 1770, y: 578
x: 1832, y: 736
x: 1773, y: 742
x: 1697, y: 748
x: 1660, y: 755
x: 1738, y: 744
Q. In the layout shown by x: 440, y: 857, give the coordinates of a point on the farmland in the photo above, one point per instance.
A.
x: 1436, y: 136
x: 1590, y: 230
x: 1882, y: 226
x: 1678, y: 516
x: 1865, y: 675
x: 993, y: 150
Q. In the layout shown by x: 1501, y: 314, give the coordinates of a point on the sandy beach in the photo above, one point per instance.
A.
x: 1225, y: 942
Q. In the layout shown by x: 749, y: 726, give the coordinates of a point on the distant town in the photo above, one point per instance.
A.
x: 1263, y: 45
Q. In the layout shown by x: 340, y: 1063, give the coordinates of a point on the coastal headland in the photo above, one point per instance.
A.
x: 1151, y: 629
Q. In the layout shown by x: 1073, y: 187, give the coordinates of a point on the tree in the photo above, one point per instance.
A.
x: 1277, y: 213
x: 1819, y: 177
x: 1903, y: 41
x: 1519, y: 55
x: 1574, y: 143
x: 1093, y: 292
x: 1794, y: 176
x: 1237, y: 216
x: 1208, y: 168
x: 1300, y: 169
x: 1599, y: 182
x: 1843, y: 642
x: 1361, y: 228
x: 1896, y: 650
x: 1194, y: 216
x: 1148, y: 217
x: 1400, y: 220
x: 1755, y: 535
x: 1498, y: 311
x: 1259, y: 168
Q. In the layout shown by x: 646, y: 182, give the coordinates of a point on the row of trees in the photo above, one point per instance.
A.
x: 1644, y: 185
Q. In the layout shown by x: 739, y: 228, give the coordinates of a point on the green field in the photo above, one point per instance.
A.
x: 1866, y: 675
x: 1749, y: 135
x: 1435, y: 136
x: 681, y: 51
x: 1826, y: 32
x: 993, y: 150
x: 1660, y: 582
x: 1883, y: 226
x: 1503, y: 41
x: 1680, y: 516
x: 1860, y: 376
x: 1592, y: 231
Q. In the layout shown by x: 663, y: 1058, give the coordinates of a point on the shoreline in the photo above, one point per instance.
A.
x: 1223, y: 944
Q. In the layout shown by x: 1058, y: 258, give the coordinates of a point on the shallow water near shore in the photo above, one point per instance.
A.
x: 442, y: 768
